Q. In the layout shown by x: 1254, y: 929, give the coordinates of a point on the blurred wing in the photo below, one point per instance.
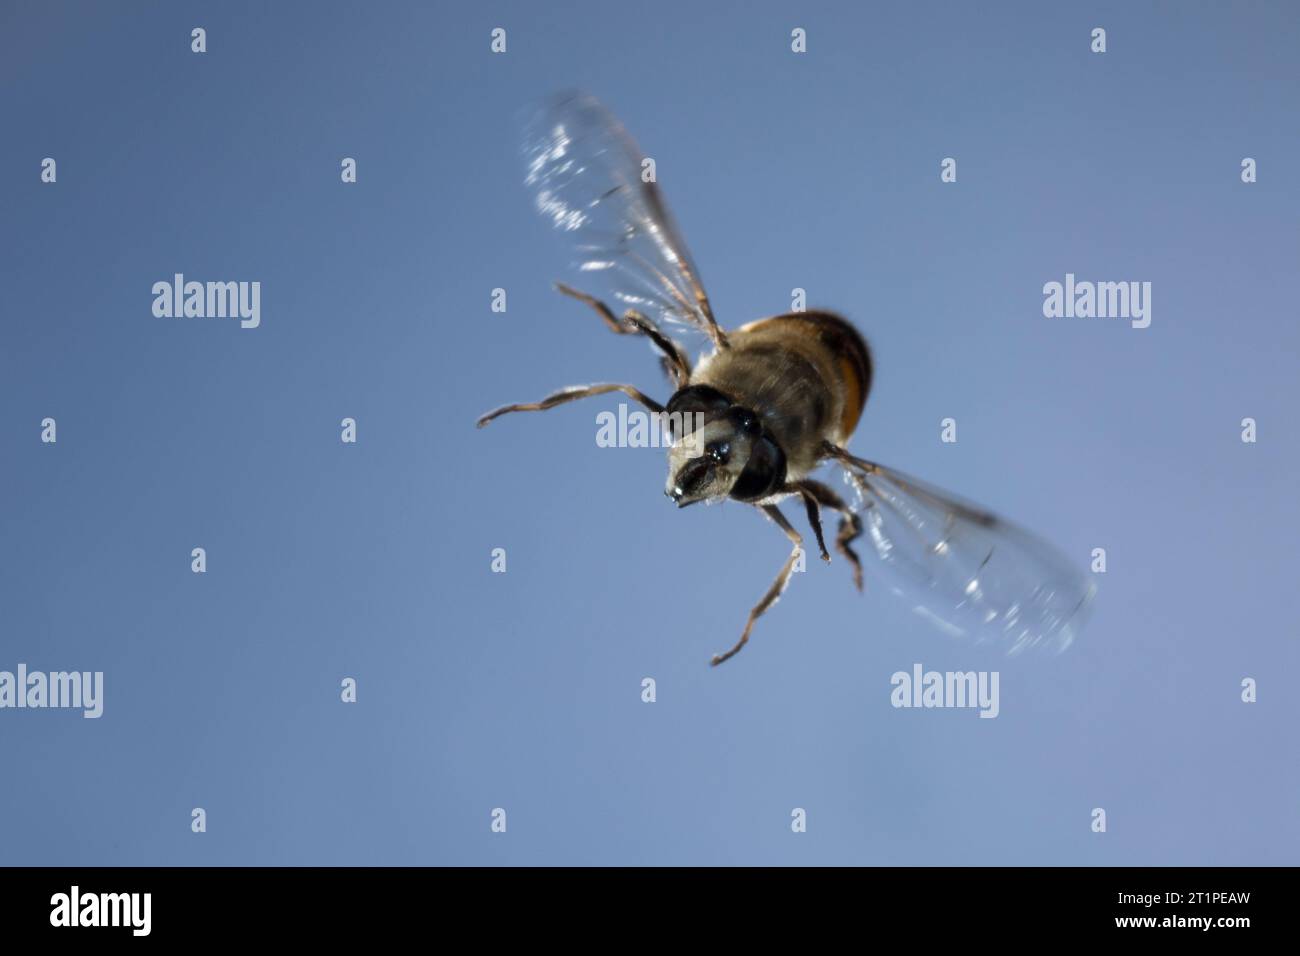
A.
x: 584, y: 171
x: 968, y: 571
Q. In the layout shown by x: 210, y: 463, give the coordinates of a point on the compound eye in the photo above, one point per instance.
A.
x: 693, y: 406
x: 764, y: 473
x: 719, y: 451
x: 745, y: 420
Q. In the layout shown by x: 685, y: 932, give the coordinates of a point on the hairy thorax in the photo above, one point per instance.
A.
x: 806, y: 375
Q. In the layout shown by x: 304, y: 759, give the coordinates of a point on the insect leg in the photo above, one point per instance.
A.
x: 675, y: 362
x: 850, y: 523
x: 812, y: 505
x: 572, y: 394
x: 777, y: 587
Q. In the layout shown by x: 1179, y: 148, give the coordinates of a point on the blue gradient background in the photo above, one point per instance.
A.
x: 522, y: 690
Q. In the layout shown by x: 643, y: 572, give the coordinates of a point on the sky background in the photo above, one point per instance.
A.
x: 523, y: 690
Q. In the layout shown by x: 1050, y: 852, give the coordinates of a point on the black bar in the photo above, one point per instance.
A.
x: 206, y: 905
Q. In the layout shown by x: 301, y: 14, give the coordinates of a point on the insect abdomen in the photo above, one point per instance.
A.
x: 852, y: 360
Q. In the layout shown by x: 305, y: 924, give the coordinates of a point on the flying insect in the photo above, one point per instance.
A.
x: 770, y: 402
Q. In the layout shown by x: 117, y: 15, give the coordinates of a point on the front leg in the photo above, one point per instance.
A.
x: 777, y: 587
x: 572, y: 394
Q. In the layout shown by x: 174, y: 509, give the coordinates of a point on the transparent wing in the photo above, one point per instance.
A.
x: 585, y: 175
x: 966, y: 570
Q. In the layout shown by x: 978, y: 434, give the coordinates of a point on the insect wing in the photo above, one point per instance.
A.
x: 585, y: 174
x: 967, y: 571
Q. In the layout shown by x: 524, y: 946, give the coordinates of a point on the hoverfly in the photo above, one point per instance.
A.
x: 774, y: 400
